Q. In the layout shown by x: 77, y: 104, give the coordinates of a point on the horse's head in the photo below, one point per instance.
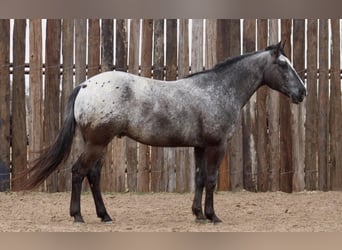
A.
x: 280, y: 74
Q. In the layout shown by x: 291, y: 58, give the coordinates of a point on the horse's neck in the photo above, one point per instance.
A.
x: 244, y: 79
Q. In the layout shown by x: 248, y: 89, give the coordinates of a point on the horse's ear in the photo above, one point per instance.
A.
x: 282, y: 44
x: 279, y: 48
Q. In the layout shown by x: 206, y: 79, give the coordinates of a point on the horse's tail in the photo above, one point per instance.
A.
x: 52, y: 156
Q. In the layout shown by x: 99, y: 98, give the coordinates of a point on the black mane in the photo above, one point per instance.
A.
x: 222, y: 65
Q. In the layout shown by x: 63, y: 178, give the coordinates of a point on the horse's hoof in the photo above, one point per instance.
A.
x: 201, y: 221
x: 216, y: 221
x: 78, y: 219
x: 109, y: 222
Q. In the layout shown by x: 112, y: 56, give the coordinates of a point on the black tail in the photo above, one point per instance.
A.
x: 59, y: 151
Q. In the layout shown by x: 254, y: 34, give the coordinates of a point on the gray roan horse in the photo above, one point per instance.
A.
x: 199, y: 111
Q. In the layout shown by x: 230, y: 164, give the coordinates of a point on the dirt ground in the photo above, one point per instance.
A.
x: 170, y: 212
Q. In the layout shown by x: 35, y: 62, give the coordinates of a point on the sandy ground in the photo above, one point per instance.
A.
x: 170, y: 212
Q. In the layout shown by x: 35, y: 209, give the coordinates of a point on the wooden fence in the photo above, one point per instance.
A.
x: 277, y: 145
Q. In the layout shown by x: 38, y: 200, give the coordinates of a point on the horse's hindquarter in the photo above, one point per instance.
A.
x: 153, y: 112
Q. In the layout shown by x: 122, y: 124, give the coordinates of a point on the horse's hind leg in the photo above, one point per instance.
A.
x: 93, y: 176
x: 91, y: 155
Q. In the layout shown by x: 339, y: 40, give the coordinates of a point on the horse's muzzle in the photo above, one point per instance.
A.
x: 298, y: 98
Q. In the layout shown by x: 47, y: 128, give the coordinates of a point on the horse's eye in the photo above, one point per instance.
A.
x: 282, y: 64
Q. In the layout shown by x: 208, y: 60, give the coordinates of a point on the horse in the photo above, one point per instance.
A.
x: 200, y: 111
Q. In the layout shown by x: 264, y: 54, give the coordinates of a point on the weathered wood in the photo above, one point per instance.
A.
x: 36, y: 90
x: 157, y: 153
x: 51, y: 89
x: 235, y: 148
x: 143, y: 182
x: 171, y: 74
x: 64, y: 175
x: 4, y: 104
x: 80, y: 76
x: 335, y: 108
x: 248, y: 116
x: 273, y: 121
x: 262, y: 135
x: 311, y: 123
x: 19, y: 130
x: 297, y: 118
x: 286, y: 170
x: 222, y: 52
x: 119, y: 144
x: 93, y: 47
x: 107, y: 61
x: 323, y: 108
x: 185, y: 168
x: 133, y: 67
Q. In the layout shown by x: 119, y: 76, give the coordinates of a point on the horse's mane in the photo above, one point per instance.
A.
x: 224, y: 64
x: 231, y: 60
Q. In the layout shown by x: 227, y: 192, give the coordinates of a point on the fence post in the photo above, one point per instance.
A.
x: 311, y: 122
x: 262, y: 135
x: 36, y: 90
x: 222, y: 52
x: 107, y: 61
x: 286, y: 169
x: 235, y: 147
x: 171, y: 74
x: 143, y: 182
x: 133, y: 67
x: 185, y: 167
x: 51, y: 97
x: 323, y: 114
x: 297, y: 117
x: 273, y: 118
x: 335, y: 108
x: 5, y: 118
x: 80, y: 76
x: 119, y: 144
x: 249, y: 116
x: 157, y: 153
x: 64, y: 175
x: 19, y: 130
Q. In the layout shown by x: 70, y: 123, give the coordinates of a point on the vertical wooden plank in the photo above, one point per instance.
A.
x: 80, y: 76
x: 157, y: 153
x: 248, y: 116
x: 19, y: 133
x: 235, y: 147
x: 335, y: 108
x: 36, y: 90
x: 274, y: 173
x: 297, y: 117
x: 323, y: 108
x: 133, y: 67
x: 222, y: 52
x: 262, y: 135
x: 4, y: 104
x: 93, y: 47
x: 185, y: 167
x: 51, y: 97
x: 119, y: 144
x: 107, y: 60
x: 196, y: 63
x: 311, y: 122
x: 171, y: 74
x: 143, y: 182
x: 286, y: 170
x: 64, y: 175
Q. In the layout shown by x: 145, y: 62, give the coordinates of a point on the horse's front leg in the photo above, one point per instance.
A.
x: 213, y: 158
x: 199, y: 184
